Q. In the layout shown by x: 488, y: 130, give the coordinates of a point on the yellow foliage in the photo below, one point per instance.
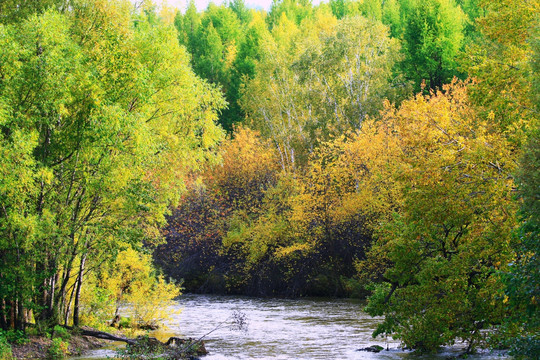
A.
x: 287, y: 251
x: 249, y: 165
x: 452, y: 221
x: 132, y: 288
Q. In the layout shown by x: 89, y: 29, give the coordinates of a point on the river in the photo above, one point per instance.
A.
x: 282, y: 329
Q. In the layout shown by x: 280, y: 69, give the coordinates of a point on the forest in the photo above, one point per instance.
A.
x: 386, y: 150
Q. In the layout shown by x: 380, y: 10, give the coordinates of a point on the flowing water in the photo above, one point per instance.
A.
x: 282, y: 329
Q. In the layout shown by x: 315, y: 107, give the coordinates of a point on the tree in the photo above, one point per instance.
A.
x: 188, y: 26
x: 241, y: 10
x: 523, y: 278
x: 114, y: 119
x: 201, y: 246
x: 214, y: 39
x: 244, y: 67
x: 392, y: 17
x: 318, y: 81
x: 500, y: 61
x: 295, y: 10
x: 452, y: 231
x: 433, y: 36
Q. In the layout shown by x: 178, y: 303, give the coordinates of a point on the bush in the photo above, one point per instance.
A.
x: 58, y: 349
x: 124, y: 323
x: 16, y: 337
x: 60, y: 332
x: 5, y: 348
x: 145, y: 347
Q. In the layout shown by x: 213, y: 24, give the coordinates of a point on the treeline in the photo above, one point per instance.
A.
x: 377, y: 148
x: 101, y: 118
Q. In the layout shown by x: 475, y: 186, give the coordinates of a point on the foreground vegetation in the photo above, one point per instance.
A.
x: 386, y: 149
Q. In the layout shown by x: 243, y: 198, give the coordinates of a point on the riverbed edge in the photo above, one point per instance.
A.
x: 37, y: 347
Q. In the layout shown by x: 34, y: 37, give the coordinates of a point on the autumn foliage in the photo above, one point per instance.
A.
x: 380, y: 149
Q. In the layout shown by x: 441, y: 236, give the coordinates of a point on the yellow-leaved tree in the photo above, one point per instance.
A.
x: 450, y: 233
x: 129, y: 287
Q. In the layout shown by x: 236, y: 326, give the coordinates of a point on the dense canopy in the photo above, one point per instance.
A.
x: 385, y: 150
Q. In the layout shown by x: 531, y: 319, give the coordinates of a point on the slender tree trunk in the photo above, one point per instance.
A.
x: 78, y: 292
x: 42, y: 294
x: 53, y: 314
x: 68, y: 307
x: 12, y: 312
x: 27, y: 315
x: 3, y: 318
x: 65, y: 279
x: 20, y: 323
x: 18, y: 306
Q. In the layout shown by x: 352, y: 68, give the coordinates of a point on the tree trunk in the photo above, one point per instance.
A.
x: 52, y: 310
x: 62, y: 294
x: 20, y: 323
x: 68, y: 307
x: 102, y: 335
x: 3, y: 318
x: 78, y: 292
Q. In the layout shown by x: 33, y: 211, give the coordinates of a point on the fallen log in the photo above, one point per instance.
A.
x: 102, y: 335
x: 174, y: 344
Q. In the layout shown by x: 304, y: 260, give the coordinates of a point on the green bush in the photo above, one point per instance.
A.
x: 125, y: 323
x: 145, y: 347
x: 60, y: 332
x: 58, y: 349
x: 16, y: 337
x: 5, y: 348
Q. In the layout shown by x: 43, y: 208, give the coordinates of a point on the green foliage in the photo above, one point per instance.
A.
x: 523, y: 279
x: 16, y: 337
x: 433, y: 35
x: 444, y: 255
x: 58, y: 349
x: 61, y: 332
x: 113, y: 120
x: 5, y: 348
x: 214, y: 39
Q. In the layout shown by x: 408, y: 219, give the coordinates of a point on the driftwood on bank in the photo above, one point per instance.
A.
x: 102, y: 335
x: 180, y: 345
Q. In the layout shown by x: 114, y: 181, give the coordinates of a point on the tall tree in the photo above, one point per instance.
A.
x: 523, y: 279
x: 500, y: 60
x: 433, y: 36
x: 295, y: 10
x: 114, y: 119
x: 320, y: 80
x: 452, y: 231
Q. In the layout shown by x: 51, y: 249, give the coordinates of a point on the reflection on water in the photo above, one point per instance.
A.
x: 282, y: 329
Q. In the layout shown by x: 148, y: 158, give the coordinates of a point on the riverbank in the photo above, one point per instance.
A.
x: 37, y: 347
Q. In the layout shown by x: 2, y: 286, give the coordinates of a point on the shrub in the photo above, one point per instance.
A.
x: 58, y: 349
x: 60, y: 332
x: 124, y: 323
x: 5, y: 348
x: 16, y: 337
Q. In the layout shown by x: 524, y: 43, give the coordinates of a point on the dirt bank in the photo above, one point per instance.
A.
x: 37, y: 347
